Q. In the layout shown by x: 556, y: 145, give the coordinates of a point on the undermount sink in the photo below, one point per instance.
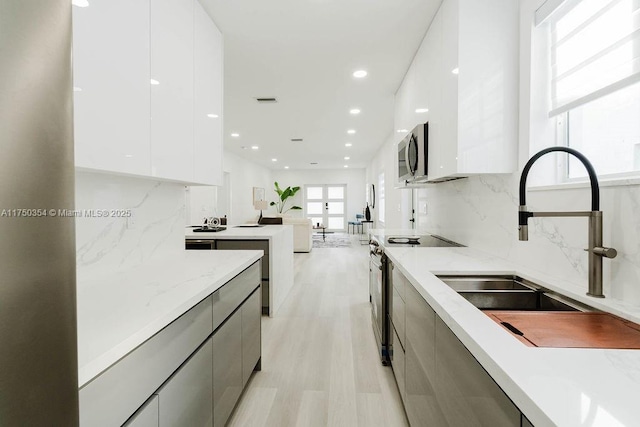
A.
x: 509, y: 293
x: 539, y: 317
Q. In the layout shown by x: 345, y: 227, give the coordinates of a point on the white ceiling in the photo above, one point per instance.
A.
x: 303, y: 52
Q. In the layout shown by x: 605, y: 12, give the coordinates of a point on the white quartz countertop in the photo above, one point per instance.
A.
x: 264, y: 232
x: 551, y: 386
x: 117, y: 312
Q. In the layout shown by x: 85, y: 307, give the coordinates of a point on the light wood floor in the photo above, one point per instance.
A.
x: 319, y: 361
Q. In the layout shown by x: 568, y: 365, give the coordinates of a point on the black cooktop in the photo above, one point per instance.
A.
x: 430, y: 241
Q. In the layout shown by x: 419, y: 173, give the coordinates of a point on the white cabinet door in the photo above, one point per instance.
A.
x: 186, y: 398
x: 111, y: 85
x: 447, y: 141
x: 208, y: 80
x: 172, y: 47
x: 147, y: 416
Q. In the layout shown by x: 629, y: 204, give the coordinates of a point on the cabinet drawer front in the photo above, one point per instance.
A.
x: 398, y: 316
x: 244, y: 244
x: 113, y: 396
x: 399, y: 282
x: 185, y: 399
x: 251, y: 334
x: 398, y: 364
x: 227, y: 368
x: 147, y: 416
x: 230, y: 296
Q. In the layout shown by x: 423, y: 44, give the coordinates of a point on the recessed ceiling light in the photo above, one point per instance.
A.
x: 422, y: 110
x: 254, y: 147
x: 347, y: 157
x: 360, y: 74
x: 80, y: 3
x: 354, y: 111
x: 351, y: 131
x: 286, y: 167
x: 154, y: 82
x: 348, y: 144
x: 346, y: 166
x: 213, y: 116
x: 274, y: 160
x: 244, y: 147
x: 77, y: 89
x: 402, y: 131
x: 235, y: 135
x: 455, y: 70
x: 128, y: 156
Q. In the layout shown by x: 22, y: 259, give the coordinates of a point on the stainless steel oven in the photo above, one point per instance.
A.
x: 378, y: 295
x: 380, y: 290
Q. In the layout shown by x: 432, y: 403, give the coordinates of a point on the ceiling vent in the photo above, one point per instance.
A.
x: 314, y: 163
x: 266, y: 100
x: 296, y: 139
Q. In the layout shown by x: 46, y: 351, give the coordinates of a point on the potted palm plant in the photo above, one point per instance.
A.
x: 283, y: 195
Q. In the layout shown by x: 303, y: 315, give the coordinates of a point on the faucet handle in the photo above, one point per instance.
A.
x: 604, y: 252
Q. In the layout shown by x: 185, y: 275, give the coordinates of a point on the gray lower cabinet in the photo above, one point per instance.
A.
x: 467, y: 394
x: 444, y: 385
x: 251, y: 335
x: 147, y: 416
x: 227, y: 368
x: 421, y: 402
x: 185, y: 399
x: 526, y: 422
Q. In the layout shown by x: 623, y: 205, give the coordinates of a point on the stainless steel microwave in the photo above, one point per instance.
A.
x: 413, y: 155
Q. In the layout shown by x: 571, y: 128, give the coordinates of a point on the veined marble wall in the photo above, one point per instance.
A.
x: 114, y: 243
x: 481, y: 212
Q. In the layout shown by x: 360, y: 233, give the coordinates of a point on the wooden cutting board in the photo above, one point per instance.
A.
x: 569, y: 329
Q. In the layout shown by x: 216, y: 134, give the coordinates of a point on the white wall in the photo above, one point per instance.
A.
x: 354, y: 179
x: 481, y: 212
x: 244, y: 175
x: 385, y: 160
x: 111, y: 243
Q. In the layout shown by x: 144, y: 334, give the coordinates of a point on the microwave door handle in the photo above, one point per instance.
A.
x: 406, y: 157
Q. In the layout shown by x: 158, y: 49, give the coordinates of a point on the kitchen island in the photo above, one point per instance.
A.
x: 550, y: 386
x: 137, y: 326
x: 277, y: 243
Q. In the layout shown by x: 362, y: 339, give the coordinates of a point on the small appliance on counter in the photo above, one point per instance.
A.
x: 212, y: 224
x: 380, y: 282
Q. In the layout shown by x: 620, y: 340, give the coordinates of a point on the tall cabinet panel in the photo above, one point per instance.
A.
x: 172, y: 46
x: 111, y: 86
x: 208, y: 72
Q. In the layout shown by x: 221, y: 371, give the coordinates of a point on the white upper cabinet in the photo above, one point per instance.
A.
x: 172, y: 152
x: 111, y: 86
x: 148, y: 78
x: 208, y: 78
x: 466, y: 74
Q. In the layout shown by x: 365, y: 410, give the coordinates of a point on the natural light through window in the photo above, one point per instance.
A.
x: 595, y: 83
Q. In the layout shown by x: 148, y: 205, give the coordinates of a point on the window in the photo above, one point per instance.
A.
x: 380, y: 201
x: 595, y: 81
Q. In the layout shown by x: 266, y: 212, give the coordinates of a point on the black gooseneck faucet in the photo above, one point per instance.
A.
x: 596, y: 250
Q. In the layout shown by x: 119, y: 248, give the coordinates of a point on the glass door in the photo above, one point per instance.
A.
x: 326, y: 205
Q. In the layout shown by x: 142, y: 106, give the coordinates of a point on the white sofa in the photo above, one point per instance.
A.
x: 302, y: 233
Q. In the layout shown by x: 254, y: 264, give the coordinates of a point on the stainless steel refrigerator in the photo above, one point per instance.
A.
x: 38, y: 348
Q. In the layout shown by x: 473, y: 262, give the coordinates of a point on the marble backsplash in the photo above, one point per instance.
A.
x: 481, y: 212
x: 155, y: 229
